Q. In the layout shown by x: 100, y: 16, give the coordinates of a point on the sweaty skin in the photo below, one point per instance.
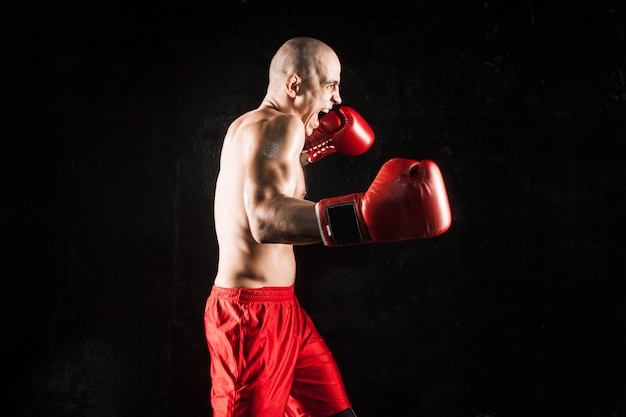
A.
x: 260, y: 210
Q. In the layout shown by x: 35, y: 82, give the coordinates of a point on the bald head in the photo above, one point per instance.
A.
x: 302, y: 56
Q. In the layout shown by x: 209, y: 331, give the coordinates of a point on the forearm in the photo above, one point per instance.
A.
x: 284, y: 219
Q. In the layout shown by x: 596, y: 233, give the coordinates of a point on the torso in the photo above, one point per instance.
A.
x: 243, y: 262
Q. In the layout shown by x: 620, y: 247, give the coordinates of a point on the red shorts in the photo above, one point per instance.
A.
x: 267, y: 358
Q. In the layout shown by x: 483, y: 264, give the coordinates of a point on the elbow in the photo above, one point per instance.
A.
x: 260, y: 236
x: 258, y: 224
x: 269, y: 225
x: 261, y: 231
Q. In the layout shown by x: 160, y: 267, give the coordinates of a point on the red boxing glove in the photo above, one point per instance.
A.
x: 342, y: 130
x: 407, y: 200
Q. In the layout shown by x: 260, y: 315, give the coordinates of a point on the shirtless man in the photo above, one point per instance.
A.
x: 267, y: 358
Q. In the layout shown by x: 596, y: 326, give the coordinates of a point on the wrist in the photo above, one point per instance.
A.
x: 340, y: 220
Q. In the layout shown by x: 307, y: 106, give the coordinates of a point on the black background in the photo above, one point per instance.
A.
x: 115, y: 112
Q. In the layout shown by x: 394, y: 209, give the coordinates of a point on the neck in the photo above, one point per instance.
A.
x: 270, y: 103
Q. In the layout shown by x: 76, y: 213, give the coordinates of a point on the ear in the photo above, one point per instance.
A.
x: 292, y: 85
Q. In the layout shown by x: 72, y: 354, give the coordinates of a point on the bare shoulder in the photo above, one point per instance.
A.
x: 275, y: 133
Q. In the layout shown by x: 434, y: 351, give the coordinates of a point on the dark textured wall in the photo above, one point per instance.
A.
x: 115, y: 116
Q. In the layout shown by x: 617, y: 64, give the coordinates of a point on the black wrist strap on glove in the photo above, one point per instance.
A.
x: 344, y: 224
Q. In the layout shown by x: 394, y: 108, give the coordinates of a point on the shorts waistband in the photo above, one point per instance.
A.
x: 259, y: 295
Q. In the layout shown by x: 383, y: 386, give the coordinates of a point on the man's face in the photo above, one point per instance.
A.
x: 321, y: 92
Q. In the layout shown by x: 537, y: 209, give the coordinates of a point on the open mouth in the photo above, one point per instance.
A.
x: 322, y: 113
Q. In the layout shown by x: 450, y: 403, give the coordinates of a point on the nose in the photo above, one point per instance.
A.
x: 336, y: 97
